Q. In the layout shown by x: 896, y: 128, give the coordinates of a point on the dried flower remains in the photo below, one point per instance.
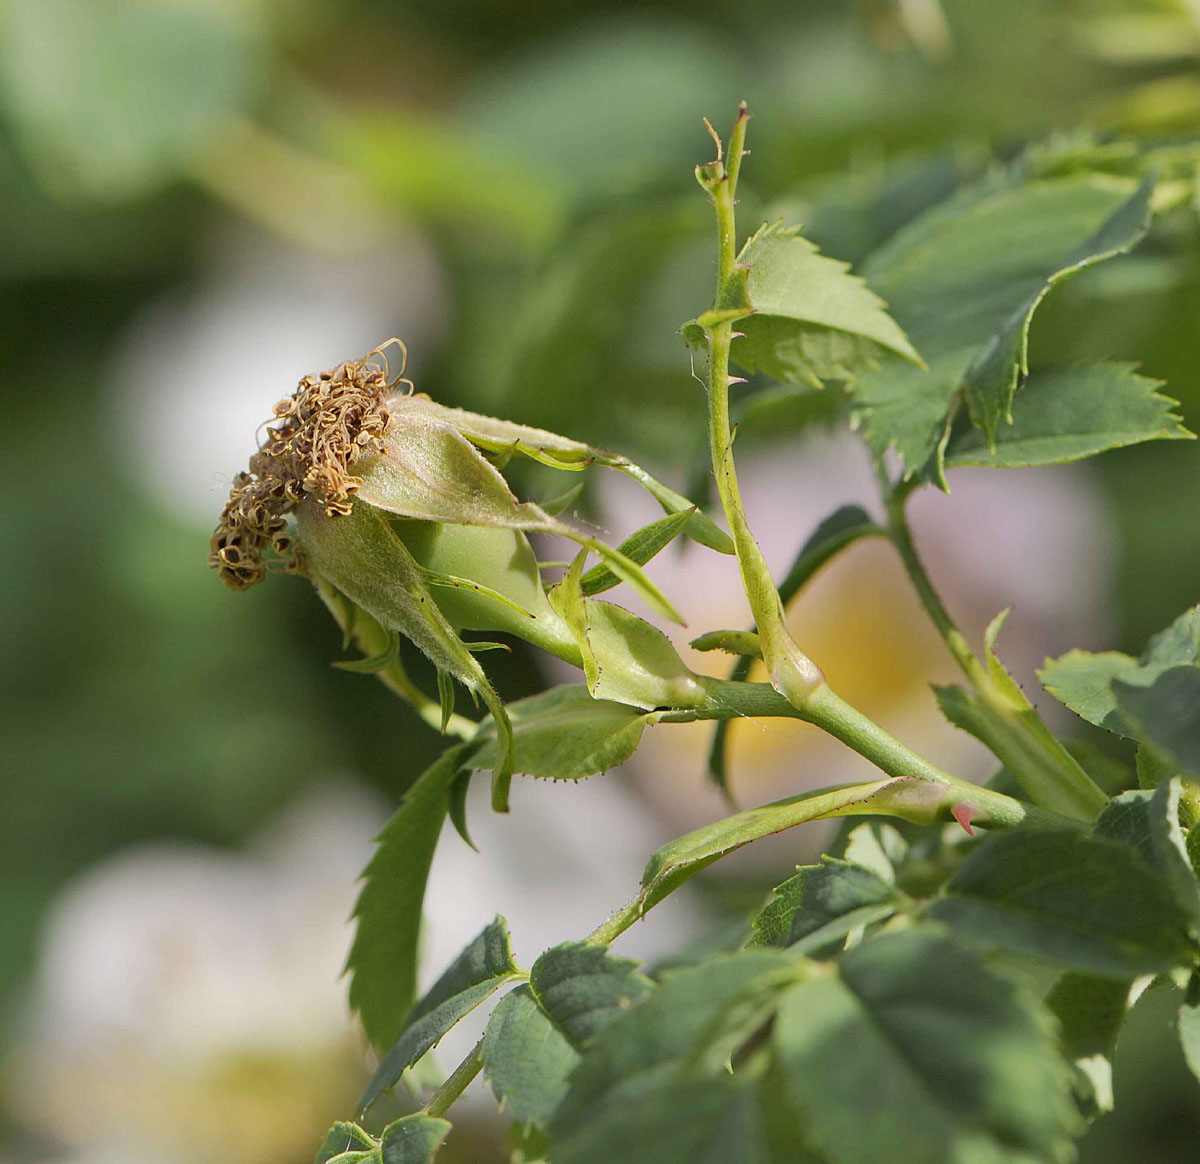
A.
x: 330, y: 421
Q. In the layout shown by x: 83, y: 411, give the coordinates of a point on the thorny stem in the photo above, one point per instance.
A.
x: 791, y: 672
x: 460, y: 1079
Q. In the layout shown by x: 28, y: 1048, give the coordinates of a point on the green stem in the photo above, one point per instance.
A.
x: 956, y: 641
x: 825, y: 709
x: 460, y: 1079
x: 790, y: 670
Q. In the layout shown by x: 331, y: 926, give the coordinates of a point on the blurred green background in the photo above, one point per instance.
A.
x: 199, y: 199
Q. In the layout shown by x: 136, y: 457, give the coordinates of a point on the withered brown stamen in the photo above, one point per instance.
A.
x: 330, y: 421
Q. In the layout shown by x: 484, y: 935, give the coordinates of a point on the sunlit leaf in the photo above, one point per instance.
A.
x: 812, y: 320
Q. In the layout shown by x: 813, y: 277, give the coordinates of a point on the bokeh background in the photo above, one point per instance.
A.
x: 202, y: 200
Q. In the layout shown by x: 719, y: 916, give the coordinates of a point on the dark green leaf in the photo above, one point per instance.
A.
x: 915, y: 1051
x: 822, y: 904
x: 690, y: 1024
x: 714, y: 1120
x: 1090, y: 1012
x: 992, y: 379
x: 639, y: 547
x: 526, y: 1058
x: 962, y: 281
x: 383, y: 958
x: 1148, y: 823
x: 1066, y: 414
x: 812, y: 319
x: 582, y: 988
x: 344, y: 1137
x: 565, y: 734
x: 477, y: 973
x: 414, y: 1139
x: 1164, y: 711
x: 1068, y: 899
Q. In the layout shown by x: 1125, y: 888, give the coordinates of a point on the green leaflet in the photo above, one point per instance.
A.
x: 715, y: 1120
x: 1080, y: 902
x: 582, y: 988
x: 1090, y: 1011
x: 344, y: 1137
x: 1163, y: 711
x: 812, y: 320
x: 963, y: 281
x: 822, y: 904
x: 565, y: 734
x: 687, y: 1027
x: 685, y: 856
x: 1066, y: 414
x: 414, y: 1139
x: 383, y: 958
x: 526, y: 1059
x: 992, y: 379
x: 1147, y: 821
x: 1085, y: 682
x: 957, y: 1064
x: 478, y: 972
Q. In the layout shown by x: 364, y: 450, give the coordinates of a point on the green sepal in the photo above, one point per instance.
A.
x: 362, y: 556
x: 375, y: 662
x: 732, y: 642
x: 639, y: 547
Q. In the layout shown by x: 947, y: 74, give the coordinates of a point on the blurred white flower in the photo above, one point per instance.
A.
x: 187, y: 1009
